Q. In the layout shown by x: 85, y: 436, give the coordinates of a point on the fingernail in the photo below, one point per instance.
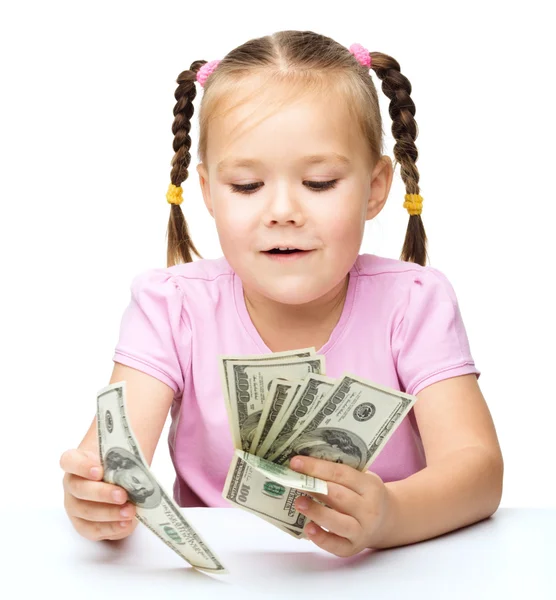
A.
x: 311, y: 529
x: 95, y: 472
x: 125, y: 512
x: 123, y: 523
x: 296, y: 463
x: 303, y: 503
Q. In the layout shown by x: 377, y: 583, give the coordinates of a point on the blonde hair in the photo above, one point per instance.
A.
x: 307, y: 63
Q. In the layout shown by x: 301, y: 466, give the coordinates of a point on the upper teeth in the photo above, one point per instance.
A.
x: 285, y: 248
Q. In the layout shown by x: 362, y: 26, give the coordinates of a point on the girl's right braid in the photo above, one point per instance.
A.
x: 404, y: 129
x: 180, y: 245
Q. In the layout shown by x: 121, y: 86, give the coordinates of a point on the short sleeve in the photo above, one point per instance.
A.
x: 430, y: 342
x: 154, y: 336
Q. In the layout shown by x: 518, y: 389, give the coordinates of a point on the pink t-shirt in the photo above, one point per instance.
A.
x: 400, y: 327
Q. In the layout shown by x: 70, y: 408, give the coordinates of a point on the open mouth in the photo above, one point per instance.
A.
x: 277, y: 251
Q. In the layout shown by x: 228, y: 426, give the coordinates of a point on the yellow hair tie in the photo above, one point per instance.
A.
x: 174, y: 194
x: 413, y: 203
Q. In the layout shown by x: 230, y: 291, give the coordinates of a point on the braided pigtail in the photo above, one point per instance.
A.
x: 404, y: 129
x: 180, y: 245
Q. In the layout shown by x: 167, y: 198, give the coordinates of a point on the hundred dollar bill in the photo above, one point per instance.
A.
x: 124, y: 465
x: 248, y: 383
x: 249, y: 489
x: 307, y: 398
x: 227, y: 384
x: 352, y: 426
x: 284, y: 475
x: 276, y: 401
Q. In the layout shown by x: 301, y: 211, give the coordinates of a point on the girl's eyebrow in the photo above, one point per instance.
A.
x: 229, y: 163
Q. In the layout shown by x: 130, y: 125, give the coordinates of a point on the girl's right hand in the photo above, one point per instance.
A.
x: 93, y: 505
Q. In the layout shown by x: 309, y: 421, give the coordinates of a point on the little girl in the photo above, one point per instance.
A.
x: 291, y: 168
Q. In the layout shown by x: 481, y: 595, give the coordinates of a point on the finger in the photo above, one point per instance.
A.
x: 96, y: 491
x: 98, y: 530
x: 330, y: 542
x: 331, y: 471
x: 81, y: 462
x: 129, y: 528
x: 96, y: 511
x: 336, y: 522
x: 340, y: 498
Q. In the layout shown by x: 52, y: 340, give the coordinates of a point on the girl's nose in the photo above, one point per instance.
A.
x: 283, y: 208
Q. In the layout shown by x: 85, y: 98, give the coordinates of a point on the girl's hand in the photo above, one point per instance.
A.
x: 358, y: 506
x: 94, y: 506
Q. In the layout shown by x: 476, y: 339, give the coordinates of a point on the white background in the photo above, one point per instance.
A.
x: 86, y: 144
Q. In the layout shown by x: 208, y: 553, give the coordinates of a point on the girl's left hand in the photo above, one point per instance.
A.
x: 360, y: 506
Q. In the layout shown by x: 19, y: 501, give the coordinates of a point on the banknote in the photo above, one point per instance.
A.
x: 284, y: 475
x: 124, y: 465
x: 308, y: 396
x: 246, y: 384
x: 276, y: 402
x: 251, y: 489
x: 351, y: 426
x: 227, y: 384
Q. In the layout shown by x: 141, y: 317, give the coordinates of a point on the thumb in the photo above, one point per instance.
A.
x: 92, y: 461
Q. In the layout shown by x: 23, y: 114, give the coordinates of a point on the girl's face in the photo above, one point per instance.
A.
x: 262, y: 188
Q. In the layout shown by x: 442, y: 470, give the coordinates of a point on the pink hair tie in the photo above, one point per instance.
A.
x: 204, y: 72
x: 361, y: 54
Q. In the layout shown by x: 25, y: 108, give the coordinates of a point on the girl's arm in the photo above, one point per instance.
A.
x: 93, y: 508
x: 148, y: 401
x: 462, y: 482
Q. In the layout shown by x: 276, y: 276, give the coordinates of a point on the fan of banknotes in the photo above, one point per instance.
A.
x: 281, y: 405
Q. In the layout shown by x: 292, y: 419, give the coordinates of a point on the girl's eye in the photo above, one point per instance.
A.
x: 316, y: 186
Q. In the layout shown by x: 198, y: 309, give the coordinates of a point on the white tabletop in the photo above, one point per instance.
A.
x: 510, y: 555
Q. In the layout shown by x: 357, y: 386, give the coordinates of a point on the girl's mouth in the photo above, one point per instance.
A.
x: 276, y: 251
x: 286, y: 255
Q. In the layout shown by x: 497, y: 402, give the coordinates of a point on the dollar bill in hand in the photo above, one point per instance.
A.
x: 124, y: 465
x: 269, y: 490
x: 280, y: 415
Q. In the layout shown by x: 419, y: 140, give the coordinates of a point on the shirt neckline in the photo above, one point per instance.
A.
x: 245, y: 318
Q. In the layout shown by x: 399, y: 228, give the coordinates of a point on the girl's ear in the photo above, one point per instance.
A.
x: 381, y: 181
x: 205, y: 188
